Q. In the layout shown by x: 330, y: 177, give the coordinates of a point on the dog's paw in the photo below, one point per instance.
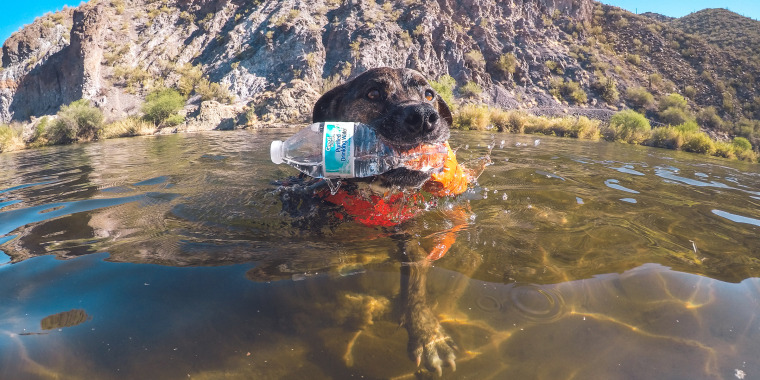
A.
x: 429, y: 344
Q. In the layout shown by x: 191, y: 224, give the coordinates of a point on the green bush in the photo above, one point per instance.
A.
x: 666, y: 137
x: 708, y: 118
x: 690, y: 126
x: 444, y: 87
x: 629, y: 126
x: 78, y: 121
x: 741, y: 143
x: 569, y: 90
x: 725, y: 150
x: 162, y: 103
x: 698, y: 143
x: 213, y: 91
x: 673, y: 101
x: 639, y: 98
x: 606, y: 88
x: 471, y: 89
x: 507, y: 63
x: 175, y: 120
x: 674, y: 116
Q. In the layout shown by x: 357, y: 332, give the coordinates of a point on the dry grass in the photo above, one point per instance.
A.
x: 130, y: 126
x: 10, y: 139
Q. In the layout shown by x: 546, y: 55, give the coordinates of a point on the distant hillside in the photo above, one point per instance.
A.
x: 658, y: 17
x: 725, y: 29
x: 275, y: 57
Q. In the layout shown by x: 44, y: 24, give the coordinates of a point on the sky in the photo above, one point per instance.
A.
x: 680, y: 8
x: 17, y: 13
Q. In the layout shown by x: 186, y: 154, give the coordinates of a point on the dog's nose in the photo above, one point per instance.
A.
x: 421, y: 118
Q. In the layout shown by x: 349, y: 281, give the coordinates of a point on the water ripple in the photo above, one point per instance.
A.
x: 628, y: 169
x: 613, y: 183
x: 10, y: 220
x: 737, y: 218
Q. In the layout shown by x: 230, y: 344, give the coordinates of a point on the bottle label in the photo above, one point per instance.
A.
x: 339, y: 149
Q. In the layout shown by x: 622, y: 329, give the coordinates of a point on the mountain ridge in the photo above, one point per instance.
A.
x: 276, y: 57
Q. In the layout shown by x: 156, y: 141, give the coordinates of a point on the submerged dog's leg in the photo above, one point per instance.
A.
x: 428, y: 344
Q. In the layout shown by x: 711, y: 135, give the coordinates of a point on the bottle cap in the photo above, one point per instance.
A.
x: 275, y: 151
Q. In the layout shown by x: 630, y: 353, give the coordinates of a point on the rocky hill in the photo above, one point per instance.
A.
x: 277, y: 56
x: 725, y: 29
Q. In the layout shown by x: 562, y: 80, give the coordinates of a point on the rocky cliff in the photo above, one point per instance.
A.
x: 278, y: 56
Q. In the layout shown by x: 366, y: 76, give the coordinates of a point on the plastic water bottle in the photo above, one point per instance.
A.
x: 350, y: 150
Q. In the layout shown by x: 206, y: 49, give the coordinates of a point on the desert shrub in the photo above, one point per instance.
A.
x: 585, y: 128
x: 746, y: 155
x: 698, y: 143
x: 655, y: 80
x: 725, y: 150
x: 471, y: 89
x: 629, y: 126
x: 582, y: 127
x: 741, y: 143
x: 475, y: 58
x: 77, y: 121
x: 708, y: 118
x: 10, y: 139
x: 639, y: 98
x: 38, y: 139
x: 213, y: 91
x: 162, y: 103
x: 690, y: 92
x: 130, y: 126
x: 175, y: 120
x: 507, y: 63
x: 568, y: 90
x: 444, y: 87
x: 673, y: 101
x: 634, y: 59
x: 472, y: 117
x: 673, y: 116
x: 690, y: 126
x: 500, y: 119
x: 606, y: 88
x: 666, y: 137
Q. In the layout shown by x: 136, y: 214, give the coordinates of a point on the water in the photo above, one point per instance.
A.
x: 169, y: 257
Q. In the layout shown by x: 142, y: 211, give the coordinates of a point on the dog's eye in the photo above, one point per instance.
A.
x: 429, y: 96
x: 373, y: 95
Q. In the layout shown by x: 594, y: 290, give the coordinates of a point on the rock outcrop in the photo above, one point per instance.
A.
x: 276, y: 56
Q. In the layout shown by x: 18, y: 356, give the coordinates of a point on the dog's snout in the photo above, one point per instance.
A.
x: 421, y: 118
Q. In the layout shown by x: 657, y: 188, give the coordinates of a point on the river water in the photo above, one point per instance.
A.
x: 171, y: 257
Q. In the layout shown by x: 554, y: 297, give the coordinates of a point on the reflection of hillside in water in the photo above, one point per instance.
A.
x: 541, y: 217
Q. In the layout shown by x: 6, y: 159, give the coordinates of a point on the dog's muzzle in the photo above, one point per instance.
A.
x: 420, y: 118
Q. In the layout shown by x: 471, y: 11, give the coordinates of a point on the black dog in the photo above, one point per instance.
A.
x: 402, y: 107
x: 399, y: 104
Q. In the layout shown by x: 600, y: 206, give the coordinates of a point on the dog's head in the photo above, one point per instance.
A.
x: 399, y: 104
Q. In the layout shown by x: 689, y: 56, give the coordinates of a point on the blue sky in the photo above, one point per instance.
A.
x: 14, y: 13
x: 17, y: 13
x: 680, y: 8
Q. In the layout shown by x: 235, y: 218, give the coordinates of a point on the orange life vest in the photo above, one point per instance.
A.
x: 386, y: 211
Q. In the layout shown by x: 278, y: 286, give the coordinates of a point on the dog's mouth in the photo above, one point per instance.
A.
x: 414, y: 129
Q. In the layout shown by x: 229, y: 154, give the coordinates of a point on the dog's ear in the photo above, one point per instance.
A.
x: 444, y: 111
x: 326, y: 108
